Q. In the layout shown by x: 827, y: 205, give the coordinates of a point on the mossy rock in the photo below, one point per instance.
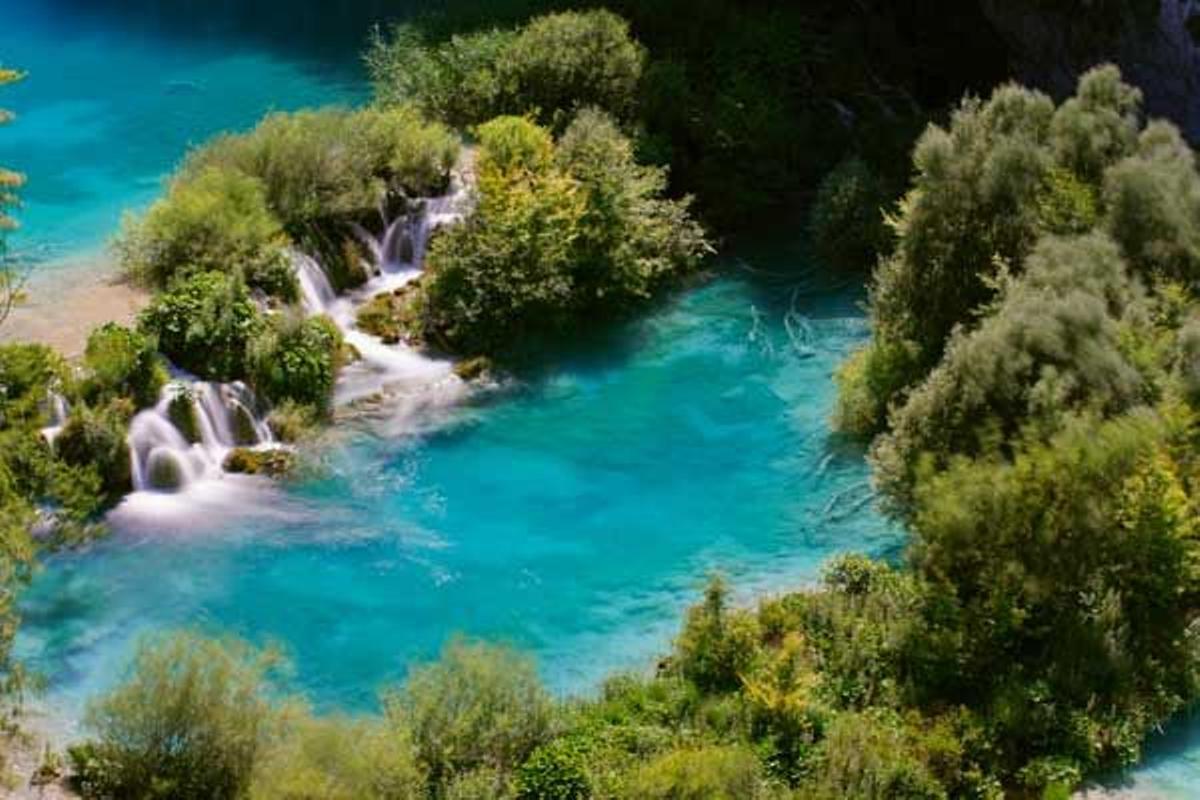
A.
x: 390, y: 315
x: 182, y: 413
x: 165, y: 473
x: 274, y: 463
x: 471, y: 369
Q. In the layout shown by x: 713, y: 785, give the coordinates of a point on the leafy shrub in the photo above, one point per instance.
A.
x: 556, y: 233
x: 717, y: 646
x: 295, y: 359
x: 870, y: 756
x: 1153, y: 201
x: 555, y: 771
x: 560, y: 63
x: 215, y: 220
x: 331, y: 163
x: 293, y: 422
x: 553, y: 66
x: 28, y: 373
x: 1023, y: 555
x: 189, y: 722
x: 338, y: 759
x: 1055, y: 343
x: 846, y: 222
x: 123, y: 363
x: 460, y: 81
x: 706, y: 773
x: 868, y: 381
x: 95, y: 439
x: 204, y: 324
x: 476, y: 707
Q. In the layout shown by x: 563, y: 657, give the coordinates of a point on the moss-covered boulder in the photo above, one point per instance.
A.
x: 274, y: 463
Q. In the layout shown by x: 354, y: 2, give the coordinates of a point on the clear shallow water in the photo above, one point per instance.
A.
x: 574, y: 516
x: 108, y: 109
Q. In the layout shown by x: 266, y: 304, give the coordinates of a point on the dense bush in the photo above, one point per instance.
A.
x: 95, y: 439
x: 709, y: 773
x: 1058, y: 341
x: 1005, y: 173
x: 338, y: 759
x: 846, y: 221
x: 317, y: 165
x: 550, y: 68
x: 203, y: 325
x: 191, y: 721
x: 477, y: 707
x: 123, y: 363
x: 557, y: 232
x: 295, y: 359
x: 213, y: 221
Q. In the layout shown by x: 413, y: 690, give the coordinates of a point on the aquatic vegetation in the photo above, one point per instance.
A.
x: 295, y: 359
x: 122, y: 362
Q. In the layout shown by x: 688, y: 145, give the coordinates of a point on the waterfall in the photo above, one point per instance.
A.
x: 58, y: 410
x: 397, y: 257
x: 186, y: 436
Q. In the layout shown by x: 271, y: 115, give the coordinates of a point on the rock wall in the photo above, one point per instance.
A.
x: 1050, y: 43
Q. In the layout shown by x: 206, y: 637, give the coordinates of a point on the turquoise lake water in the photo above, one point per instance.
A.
x: 108, y: 108
x: 574, y: 514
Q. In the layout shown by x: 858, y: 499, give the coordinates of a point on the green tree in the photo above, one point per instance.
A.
x: 476, y: 707
x: 190, y: 721
x: 12, y: 279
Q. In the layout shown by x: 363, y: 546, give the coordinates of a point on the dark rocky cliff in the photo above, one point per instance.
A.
x: 1051, y: 41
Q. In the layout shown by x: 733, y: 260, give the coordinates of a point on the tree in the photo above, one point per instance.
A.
x: 12, y: 279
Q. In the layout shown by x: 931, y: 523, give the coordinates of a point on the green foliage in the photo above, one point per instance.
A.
x: 846, y: 221
x: 190, y: 721
x: 477, y: 707
x: 95, y: 439
x: 295, y: 359
x: 292, y: 422
x: 1153, y: 201
x: 867, y: 381
x: 1075, y: 560
x: 552, y: 67
x: 558, y: 232
x: 707, y: 773
x: 123, y: 363
x: 871, y: 756
x: 28, y: 374
x: 203, y: 325
x: 320, y: 165
x: 555, y: 771
x: 560, y: 63
x: 1055, y: 343
x: 717, y: 646
x: 338, y: 759
x: 1098, y: 126
x: 212, y: 221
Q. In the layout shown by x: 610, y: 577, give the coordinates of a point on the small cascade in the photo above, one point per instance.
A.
x: 58, y: 410
x: 188, y: 434
x: 397, y: 257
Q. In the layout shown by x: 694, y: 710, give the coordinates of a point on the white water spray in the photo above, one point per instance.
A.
x: 409, y: 380
x: 161, y: 455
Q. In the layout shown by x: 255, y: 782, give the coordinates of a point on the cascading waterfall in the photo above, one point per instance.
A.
x: 58, y: 410
x: 410, y: 379
x: 166, y: 456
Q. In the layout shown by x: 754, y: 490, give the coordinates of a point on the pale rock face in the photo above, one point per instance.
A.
x: 1156, y: 52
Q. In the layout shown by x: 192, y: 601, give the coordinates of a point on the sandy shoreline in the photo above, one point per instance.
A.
x: 67, y: 300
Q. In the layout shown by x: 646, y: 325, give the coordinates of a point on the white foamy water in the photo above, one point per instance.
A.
x: 406, y: 383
